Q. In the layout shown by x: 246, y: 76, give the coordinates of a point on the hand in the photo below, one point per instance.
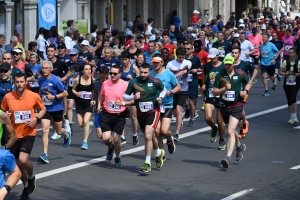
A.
x: 243, y: 94
x: 159, y: 99
x: 203, y: 88
x: 129, y: 76
x: 168, y: 93
x: 118, y: 102
x: 99, y: 109
x: 137, y: 95
x: 273, y: 61
x: 31, y: 123
x: 93, y: 103
x: 77, y: 94
x: 84, y: 59
x: 50, y: 96
x: 8, y: 113
x: 287, y: 73
x: 228, y: 86
x: 297, y: 74
x: 99, y: 43
x: 256, y: 57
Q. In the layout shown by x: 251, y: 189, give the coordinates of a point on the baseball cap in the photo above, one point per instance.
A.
x: 85, y: 43
x: 138, y: 16
x: 228, y: 60
x: 33, y: 53
x: 213, y: 52
x: 157, y: 32
x: 242, y: 25
x: 156, y: 59
x: 130, y: 24
x: 61, y: 46
x: 236, y: 35
x: 203, y: 26
x: 241, y: 21
x: 189, y: 36
x: 5, y: 66
x: 232, y: 13
x: 196, y: 12
x: 73, y: 51
x: 18, y: 50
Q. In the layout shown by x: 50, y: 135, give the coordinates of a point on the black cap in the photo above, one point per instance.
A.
x: 203, y: 26
x: 61, y: 45
x: 138, y: 16
x: 5, y: 66
x: 232, y: 13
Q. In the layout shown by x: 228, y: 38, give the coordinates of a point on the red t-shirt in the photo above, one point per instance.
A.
x: 202, y: 55
x: 194, y: 19
x: 171, y: 48
x: 280, y: 35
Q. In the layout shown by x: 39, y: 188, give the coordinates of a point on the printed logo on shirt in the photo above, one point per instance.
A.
x: 150, y: 84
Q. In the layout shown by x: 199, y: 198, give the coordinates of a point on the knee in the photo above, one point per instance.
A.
x: 231, y: 133
x: 148, y: 136
x: 45, y: 131
x: 22, y: 162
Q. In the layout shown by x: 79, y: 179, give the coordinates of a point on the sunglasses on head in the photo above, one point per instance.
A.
x: 113, y: 73
x: 3, y: 70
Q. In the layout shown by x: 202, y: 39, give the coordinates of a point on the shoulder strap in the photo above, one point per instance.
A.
x: 79, y: 80
x: 288, y: 65
x: 296, y: 66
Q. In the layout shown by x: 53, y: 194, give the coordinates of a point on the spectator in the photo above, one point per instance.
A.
x: 20, y: 45
x: 176, y: 21
x: 194, y: 18
x: 94, y: 30
x: 53, y: 35
x: 150, y: 21
x: 2, y: 45
x: 137, y: 21
x: 32, y: 47
x: 12, y: 43
x: 128, y: 30
x: 232, y: 19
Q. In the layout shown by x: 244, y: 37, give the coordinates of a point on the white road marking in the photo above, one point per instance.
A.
x: 238, y: 194
x: 296, y: 167
x: 129, y: 151
x: 297, y: 127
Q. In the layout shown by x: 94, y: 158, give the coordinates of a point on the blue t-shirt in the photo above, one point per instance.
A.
x: 125, y: 74
x: 65, y: 59
x: 7, y: 164
x: 54, y: 86
x: 5, y: 87
x: 108, y: 63
x: 36, y: 70
x: 170, y: 81
x: 267, y: 53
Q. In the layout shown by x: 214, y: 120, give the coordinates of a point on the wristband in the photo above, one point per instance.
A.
x: 8, y: 188
x: 123, y: 103
x: 247, y: 91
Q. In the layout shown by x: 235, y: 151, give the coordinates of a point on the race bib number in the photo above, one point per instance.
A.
x: 46, y: 101
x: 180, y: 79
x: 22, y: 116
x: 34, y: 84
x: 162, y: 109
x: 229, y: 96
x: 85, y: 95
x: 222, y: 53
x: 113, y: 107
x: 146, y: 106
x: 265, y: 54
x: 71, y: 82
x: 287, y: 48
x: 190, y: 78
x: 290, y: 81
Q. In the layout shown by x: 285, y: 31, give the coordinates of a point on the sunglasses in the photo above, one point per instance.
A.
x: 187, y: 48
x: 3, y: 71
x: 16, y: 54
x: 113, y: 73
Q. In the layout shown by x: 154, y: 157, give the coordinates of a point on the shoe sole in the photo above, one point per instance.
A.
x: 225, y: 164
x: 213, y: 141
x: 162, y: 163
x: 144, y: 171
x: 84, y: 148
x: 136, y: 143
x: 242, y: 154
x: 123, y: 142
x: 174, y: 149
x: 55, y: 138
x: 118, y: 165
x: 43, y: 161
x: 221, y: 149
x: 34, y: 188
x: 176, y: 140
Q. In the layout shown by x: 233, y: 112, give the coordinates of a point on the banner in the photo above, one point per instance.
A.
x: 47, y: 13
x: 80, y: 24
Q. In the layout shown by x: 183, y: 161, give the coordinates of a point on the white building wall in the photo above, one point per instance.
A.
x: 68, y: 9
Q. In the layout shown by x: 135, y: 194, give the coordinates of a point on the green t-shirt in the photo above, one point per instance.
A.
x: 244, y: 66
x: 224, y: 48
x: 231, y: 96
x: 210, y: 73
x: 192, y: 77
x: 149, y: 90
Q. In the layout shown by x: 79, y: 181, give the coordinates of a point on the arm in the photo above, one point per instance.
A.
x: 75, y: 87
x: 181, y: 73
x: 176, y: 89
x: 12, y: 180
x: 92, y: 63
x: 136, y: 71
x: 163, y: 93
x: 9, y: 129
x: 68, y: 74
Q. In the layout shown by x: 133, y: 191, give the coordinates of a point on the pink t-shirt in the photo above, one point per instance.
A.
x: 111, y: 92
x: 288, y: 43
x: 256, y: 42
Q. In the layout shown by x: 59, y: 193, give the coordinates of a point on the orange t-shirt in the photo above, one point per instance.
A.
x: 171, y: 48
x: 22, y: 109
x: 202, y: 55
x: 194, y: 19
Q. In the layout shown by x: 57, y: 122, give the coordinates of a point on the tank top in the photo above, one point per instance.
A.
x: 85, y: 91
x: 131, y: 72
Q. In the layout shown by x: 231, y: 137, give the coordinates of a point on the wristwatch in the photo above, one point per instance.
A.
x: 37, y: 119
x: 171, y: 92
x: 8, y: 188
x: 6, y: 147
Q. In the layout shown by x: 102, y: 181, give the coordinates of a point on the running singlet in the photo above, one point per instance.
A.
x: 131, y: 72
x: 149, y: 89
x: 210, y: 74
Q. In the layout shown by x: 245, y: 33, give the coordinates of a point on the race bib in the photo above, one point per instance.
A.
x: 265, y: 54
x: 133, y: 61
x: 210, y: 93
x: 222, y: 53
x: 22, y: 116
x: 287, y: 48
x: 180, y: 79
x: 71, y: 82
x: 146, y: 106
x: 290, y: 81
x: 85, y: 95
x: 190, y: 78
x: 250, y: 59
x: 34, y: 84
x: 113, y: 107
x: 46, y: 101
x: 229, y: 96
x: 162, y: 109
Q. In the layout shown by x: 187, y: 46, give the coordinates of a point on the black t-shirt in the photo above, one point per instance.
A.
x: 59, y: 68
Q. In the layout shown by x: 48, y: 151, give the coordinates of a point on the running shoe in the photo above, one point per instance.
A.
x: 274, y: 87
x: 164, y: 157
x: 159, y: 159
x: 213, y: 135
x: 24, y: 194
x: 278, y: 76
x: 187, y: 113
x: 266, y: 93
x: 118, y: 162
x: 291, y: 121
x: 203, y: 106
x: 192, y: 122
x: 135, y: 140
x: 91, y: 125
x: 222, y: 145
x: 84, y: 146
x: 171, y: 145
x: 123, y: 140
x: 176, y: 137
x: 67, y: 126
x: 31, y: 185
x: 67, y: 141
x: 146, y: 167
x: 225, y: 162
x: 240, y: 151
x: 110, y: 153
x: 196, y: 114
x: 55, y: 136
x: 296, y: 120
x: 43, y: 159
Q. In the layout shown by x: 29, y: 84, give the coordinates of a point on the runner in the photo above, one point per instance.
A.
x: 166, y: 107
x: 279, y: 45
x: 180, y: 68
x: 52, y: 93
x: 6, y: 82
x: 147, y: 99
x: 21, y: 105
x: 62, y: 53
x: 223, y: 46
x: 291, y: 71
x: 114, y: 112
x: 36, y: 70
x: 210, y: 70
x: 83, y: 88
x: 269, y: 54
x: 288, y: 42
x: 228, y: 84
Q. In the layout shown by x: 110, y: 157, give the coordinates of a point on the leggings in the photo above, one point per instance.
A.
x: 291, y: 92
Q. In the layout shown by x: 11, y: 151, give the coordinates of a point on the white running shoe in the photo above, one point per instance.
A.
x: 295, y: 120
x: 67, y: 127
x: 291, y: 121
x: 55, y: 136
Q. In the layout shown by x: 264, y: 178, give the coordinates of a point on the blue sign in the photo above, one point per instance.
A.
x: 47, y: 13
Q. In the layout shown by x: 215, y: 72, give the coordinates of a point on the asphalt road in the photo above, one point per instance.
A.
x: 192, y: 172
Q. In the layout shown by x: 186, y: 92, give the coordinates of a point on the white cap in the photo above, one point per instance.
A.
x: 194, y: 35
x: 241, y: 21
x: 18, y: 50
x: 196, y: 12
x: 242, y: 25
x: 213, y: 52
x: 85, y: 43
x: 236, y: 35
